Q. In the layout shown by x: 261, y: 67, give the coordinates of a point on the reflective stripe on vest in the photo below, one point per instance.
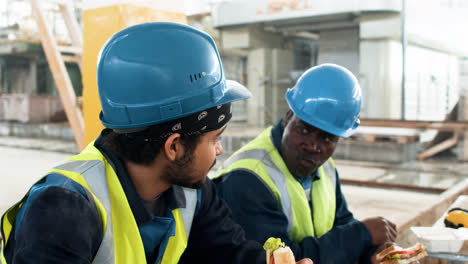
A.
x: 261, y: 158
x: 275, y: 174
x: 90, y: 170
x: 120, y: 229
x: 330, y: 171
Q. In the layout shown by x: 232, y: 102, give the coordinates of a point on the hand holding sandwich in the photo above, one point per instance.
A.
x: 380, y: 249
x: 381, y: 230
x: 278, y: 253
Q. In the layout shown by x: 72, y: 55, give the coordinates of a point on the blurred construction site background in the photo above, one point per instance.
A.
x: 407, y: 161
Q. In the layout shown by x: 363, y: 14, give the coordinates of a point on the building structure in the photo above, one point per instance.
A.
x: 279, y: 38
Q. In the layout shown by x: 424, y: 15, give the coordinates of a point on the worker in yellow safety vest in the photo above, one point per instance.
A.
x: 138, y: 193
x: 286, y: 180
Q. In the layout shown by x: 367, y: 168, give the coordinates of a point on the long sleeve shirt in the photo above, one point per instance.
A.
x: 255, y: 209
x: 58, y: 224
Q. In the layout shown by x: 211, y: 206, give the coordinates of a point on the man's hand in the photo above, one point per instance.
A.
x: 305, y: 261
x: 381, y: 230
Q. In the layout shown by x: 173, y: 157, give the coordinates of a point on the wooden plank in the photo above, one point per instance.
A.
x: 73, y: 58
x: 371, y: 138
x: 465, y: 146
x: 404, y: 140
x: 70, y: 58
x: 70, y: 49
x: 72, y: 24
x: 60, y: 74
x: 442, y: 126
x: 73, y: 28
x: 446, y: 144
x: 392, y: 185
x: 396, y: 131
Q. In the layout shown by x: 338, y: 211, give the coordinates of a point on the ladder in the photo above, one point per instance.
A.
x: 56, y: 61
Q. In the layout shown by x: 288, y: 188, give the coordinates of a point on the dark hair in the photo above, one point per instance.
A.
x: 143, y: 147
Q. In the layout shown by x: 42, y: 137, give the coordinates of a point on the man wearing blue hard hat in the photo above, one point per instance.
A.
x: 284, y: 183
x: 138, y: 193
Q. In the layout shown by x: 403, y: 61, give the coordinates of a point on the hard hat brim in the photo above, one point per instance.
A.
x: 234, y: 92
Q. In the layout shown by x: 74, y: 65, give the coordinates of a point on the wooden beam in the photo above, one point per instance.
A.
x: 71, y: 58
x: 392, y: 185
x: 446, y: 144
x: 73, y: 28
x: 70, y: 49
x: 72, y: 24
x: 442, y: 125
x: 465, y: 146
x: 60, y: 74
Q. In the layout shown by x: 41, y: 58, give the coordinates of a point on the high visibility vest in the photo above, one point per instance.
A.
x: 121, y: 241
x: 261, y: 158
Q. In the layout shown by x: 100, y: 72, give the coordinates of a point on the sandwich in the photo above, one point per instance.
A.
x: 277, y: 252
x: 397, y: 255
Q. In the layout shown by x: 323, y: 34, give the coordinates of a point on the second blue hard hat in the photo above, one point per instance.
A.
x: 156, y: 72
x: 328, y: 97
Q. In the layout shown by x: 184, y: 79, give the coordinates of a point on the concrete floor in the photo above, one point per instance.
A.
x: 20, y: 168
x: 396, y: 205
x: 431, y: 174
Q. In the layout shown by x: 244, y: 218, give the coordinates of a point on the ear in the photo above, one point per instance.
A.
x: 288, y: 116
x: 173, y: 147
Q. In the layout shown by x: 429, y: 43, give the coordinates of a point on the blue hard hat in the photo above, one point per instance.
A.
x: 156, y: 72
x: 328, y: 97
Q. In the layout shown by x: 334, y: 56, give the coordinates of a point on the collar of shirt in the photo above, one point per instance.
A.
x: 174, y: 197
x: 277, y: 137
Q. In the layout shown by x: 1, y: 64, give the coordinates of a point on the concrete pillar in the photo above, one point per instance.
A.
x: 3, y: 83
x: 101, y: 19
x: 31, y: 84
x: 380, y: 78
x: 282, y: 64
x: 462, y: 147
x: 257, y: 76
x: 268, y: 79
x: 268, y: 59
x: 380, y: 60
x: 340, y: 46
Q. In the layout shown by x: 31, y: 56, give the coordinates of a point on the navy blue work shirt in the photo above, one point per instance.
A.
x: 254, y: 207
x: 58, y: 224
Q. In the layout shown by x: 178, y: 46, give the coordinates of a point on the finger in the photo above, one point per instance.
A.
x: 395, y: 234
x: 305, y: 261
x: 392, y: 236
x: 393, y: 225
x: 388, y: 237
